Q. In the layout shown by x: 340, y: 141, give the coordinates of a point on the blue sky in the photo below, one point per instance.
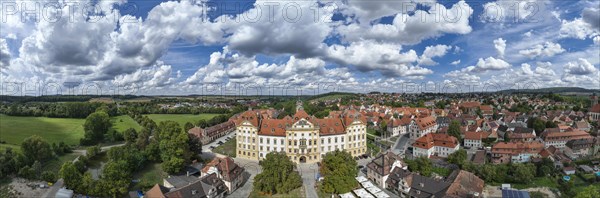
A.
x: 187, y: 47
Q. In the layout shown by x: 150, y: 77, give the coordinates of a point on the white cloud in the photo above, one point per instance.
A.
x: 4, y: 54
x: 412, y: 29
x: 456, y: 62
x: 431, y: 52
x: 581, y: 67
x: 489, y: 63
x: 504, y: 10
x: 581, y: 28
x: 549, y: 49
x: 387, y: 58
x: 500, y: 45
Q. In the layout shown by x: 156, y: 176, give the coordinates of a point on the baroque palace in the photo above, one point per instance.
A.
x: 304, y: 138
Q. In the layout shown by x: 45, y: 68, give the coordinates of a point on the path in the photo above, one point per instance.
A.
x: 308, y: 173
x: 52, y: 191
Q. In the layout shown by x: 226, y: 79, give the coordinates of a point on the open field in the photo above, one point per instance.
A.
x: 15, y: 129
x: 14, y: 147
x: 124, y: 122
x: 329, y: 97
x: 180, y: 118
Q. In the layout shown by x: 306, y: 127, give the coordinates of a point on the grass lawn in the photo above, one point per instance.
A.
x: 298, y: 192
x: 228, y: 148
x: 180, y: 118
x: 15, y: 129
x: 124, y: 122
x: 394, y: 139
x: 538, y: 182
x: 55, y: 164
x: 151, y: 174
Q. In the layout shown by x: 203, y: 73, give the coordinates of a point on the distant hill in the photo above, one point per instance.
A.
x: 552, y: 90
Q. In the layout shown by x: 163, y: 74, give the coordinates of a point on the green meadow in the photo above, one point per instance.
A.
x: 180, y: 118
x: 124, y: 122
x: 14, y: 129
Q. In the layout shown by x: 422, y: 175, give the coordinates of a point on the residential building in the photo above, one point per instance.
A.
x: 379, y: 168
x: 227, y: 170
x: 210, y: 134
x: 397, y: 126
x: 594, y: 113
x: 422, y: 126
x: 304, y: 138
x: 552, y: 137
x: 459, y: 184
x: 515, y: 152
x: 435, y: 144
x: 209, y: 186
x: 473, y: 139
x: 581, y: 147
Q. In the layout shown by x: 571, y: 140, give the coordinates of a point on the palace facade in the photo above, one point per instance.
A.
x: 304, y: 138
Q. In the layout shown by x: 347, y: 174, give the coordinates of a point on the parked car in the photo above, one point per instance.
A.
x: 360, y: 167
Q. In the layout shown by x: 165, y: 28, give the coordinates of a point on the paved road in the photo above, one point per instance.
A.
x: 401, y: 144
x: 102, y: 149
x: 252, y: 169
x: 52, y: 191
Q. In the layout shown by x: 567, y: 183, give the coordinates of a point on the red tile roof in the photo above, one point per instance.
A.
x: 435, y: 139
x: 425, y: 122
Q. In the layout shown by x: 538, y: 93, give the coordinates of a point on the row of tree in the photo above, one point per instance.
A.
x: 56, y: 110
x: 35, y: 152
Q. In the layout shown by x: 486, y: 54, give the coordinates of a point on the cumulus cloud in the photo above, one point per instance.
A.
x: 456, y: 62
x: 431, y: 52
x: 489, y: 63
x: 387, y: 58
x: 500, y: 45
x: 581, y: 28
x: 581, y: 67
x: 504, y: 10
x: 157, y: 76
x: 412, y: 29
x: 548, y: 49
x: 4, y: 54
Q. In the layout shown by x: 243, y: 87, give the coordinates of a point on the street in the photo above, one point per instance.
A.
x: 401, y: 144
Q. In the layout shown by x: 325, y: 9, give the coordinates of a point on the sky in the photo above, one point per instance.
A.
x: 306, y: 47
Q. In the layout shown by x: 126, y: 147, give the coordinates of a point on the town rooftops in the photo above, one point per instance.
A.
x: 426, y: 122
x: 517, y: 147
x: 595, y: 108
x: 436, y: 139
x: 382, y: 164
x: 464, y: 184
x: 228, y: 169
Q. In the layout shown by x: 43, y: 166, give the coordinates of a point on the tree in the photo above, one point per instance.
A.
x: 522, y: 173
x: 339, y: 170
x: 550, y: 124
x: 48, y: 176
x: 36, y: 149
x: 195, y: 144
x: 92, y: 151
x: 459, y: 157
x: 173, y: 144
x: 278, y: 175
x: 116, y: 172
x: 142, y: 138
x: 589, y: 192
x: 188, y: 126
x: 454, y: 130
x: 422, y: 165
x: 96, y: 125
x: 545, y: 167
x: 130, y: 136
x: 70, y: 175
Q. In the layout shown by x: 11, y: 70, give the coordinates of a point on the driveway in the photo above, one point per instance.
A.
x: 308, y: 172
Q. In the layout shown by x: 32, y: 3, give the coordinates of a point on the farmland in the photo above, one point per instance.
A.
x: 15, y: 129
x: 180, y: 118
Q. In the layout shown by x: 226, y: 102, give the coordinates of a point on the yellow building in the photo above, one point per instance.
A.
x: 304, y: 138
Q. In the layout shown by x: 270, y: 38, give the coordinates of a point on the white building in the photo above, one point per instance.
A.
x: 435, y: 144
x: 396, y: 127
x: 421, y: 126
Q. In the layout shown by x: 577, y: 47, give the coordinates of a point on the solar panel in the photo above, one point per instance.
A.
x: 514, y: 194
